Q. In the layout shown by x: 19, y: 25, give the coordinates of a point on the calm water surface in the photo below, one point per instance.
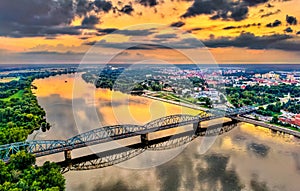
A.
x: 246, y: 158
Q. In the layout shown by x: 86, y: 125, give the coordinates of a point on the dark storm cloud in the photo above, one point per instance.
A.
x: 146, y: 47
x: 90, y: 20
x: 276, y: 23
x: 44, y: 17
x: 127, y: 9
x: 149, y: 3
x: 103, y: 5
x: 291, y: 20
x: 241, y: 26
x: 33, y: 31
x: 184, y: 44
x: 255, y: 2
x: 239, y: 13
x: 141, y: 32
x: 83, y: 7
x: 165, y: 36
x: 177, y: 24
x: 249, y: 40
x: 222, y: 9
x: 288, y: 30
x: 90, y: 43
x: 270, y: 13
x: 107, y: 30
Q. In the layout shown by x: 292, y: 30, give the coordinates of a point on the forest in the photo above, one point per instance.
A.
x: 260, y: 95
x: 20, y: 115
x: 21, y: 174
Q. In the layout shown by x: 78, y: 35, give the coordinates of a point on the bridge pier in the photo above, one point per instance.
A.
x: 144, y: 139
x: 198, y: 130
x: 234, y: 121
x: 68, y: 155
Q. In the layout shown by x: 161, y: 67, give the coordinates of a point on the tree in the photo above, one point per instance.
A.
x: 21, y: 160
x: 274, y: 119
x: 20, y: 174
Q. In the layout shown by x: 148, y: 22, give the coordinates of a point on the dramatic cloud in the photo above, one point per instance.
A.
x: 90, y: 20
x: 241, y: 26
x: 149, y: 3
x: 291, y: 20
x: 107, y: 30
x: 255, y: 2
x: 44, y: 17
x: 177, y: 24
x: 222, y: 9
x: 138, y: 32
x: 131, y: 46
x: 127, y: 9
x: 288, y: 30
x: 270, y: 13
x: 83, y: 6
x: 276, y: 23
x: 90, y: 43
x: 166, y: 36
x: 103, y: 5
x: 249, y: 40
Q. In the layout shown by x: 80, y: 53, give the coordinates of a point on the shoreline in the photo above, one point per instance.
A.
x: 288, y: 131
x: 176, y: 103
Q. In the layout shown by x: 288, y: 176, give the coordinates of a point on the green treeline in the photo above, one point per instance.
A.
x: 260, y: 95
x: 20, y: 113
x: 21, y: 174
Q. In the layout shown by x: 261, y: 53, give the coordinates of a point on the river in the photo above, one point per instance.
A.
x: 246, y: 158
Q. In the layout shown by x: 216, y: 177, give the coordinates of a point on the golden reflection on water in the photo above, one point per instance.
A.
x: 115, y: 107
x: 267, y: 134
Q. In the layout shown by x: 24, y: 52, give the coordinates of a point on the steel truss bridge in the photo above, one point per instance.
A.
x: 118, y: 155
x: 110, y: 133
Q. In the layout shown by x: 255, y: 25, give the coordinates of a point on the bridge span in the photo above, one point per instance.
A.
x: 266, y: 125
x: 110, y: 133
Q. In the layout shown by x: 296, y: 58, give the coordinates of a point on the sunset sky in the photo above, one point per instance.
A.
x: 233, y: 31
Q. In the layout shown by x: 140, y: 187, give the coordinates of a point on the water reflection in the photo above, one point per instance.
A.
x: 260, y: 150
x: 216, y: 176
x: 246, y: 158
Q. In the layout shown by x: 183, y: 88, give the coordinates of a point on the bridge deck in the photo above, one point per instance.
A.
x: 269, y: 126
x: 111, y: 133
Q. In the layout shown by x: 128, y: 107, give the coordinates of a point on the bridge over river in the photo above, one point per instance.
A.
x: 117, y: 132
x: 111, y: 133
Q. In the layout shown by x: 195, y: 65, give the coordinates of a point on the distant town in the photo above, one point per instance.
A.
x: 275, y: 93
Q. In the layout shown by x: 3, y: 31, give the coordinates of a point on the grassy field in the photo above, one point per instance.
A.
x: 173, y: 97
x: 8, y: 79
x: 288, y: 127
x: 19, y: 94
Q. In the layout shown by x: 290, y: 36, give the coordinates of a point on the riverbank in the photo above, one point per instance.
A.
x: 176, y: 103
x: 258, y: 123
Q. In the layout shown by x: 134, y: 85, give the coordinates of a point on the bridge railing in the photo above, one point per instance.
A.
x: 110, y: 133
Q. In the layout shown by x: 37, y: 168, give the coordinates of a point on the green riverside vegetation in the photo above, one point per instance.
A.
x: 21, y: 174
x: 20, y: 115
